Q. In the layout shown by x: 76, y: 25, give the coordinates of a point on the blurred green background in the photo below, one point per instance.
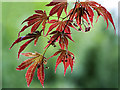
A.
x: 96, y: 53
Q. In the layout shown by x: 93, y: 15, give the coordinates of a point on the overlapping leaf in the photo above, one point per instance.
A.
x: 60, y: 26
x: 37, y: 60
x: 66, y: 57
x: 32, y: 36
x: 85, y: 10
x: 59, y: 5
x: 82, y: 13
x: 62, y: 37
x: 35, y: 20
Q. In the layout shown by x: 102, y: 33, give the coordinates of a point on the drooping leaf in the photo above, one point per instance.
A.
x: 84, y: 10
x: 38, y: 62
x: 35, y: 26
x: 30, y: 73
x: 66, y: 64
x: 106, y: 15
x: 32, y: 36
x: 56, y: 53
x: 62, y: 37
x: 35, y: 20
x: 59, y: 5
x: 40, y: 74
x: 25, y: 64
x: 24, y: 46
x: 66, y: 57
x: 59, y: 60
x: 60, y: 26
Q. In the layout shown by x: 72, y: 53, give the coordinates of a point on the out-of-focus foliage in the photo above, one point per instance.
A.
x: 96, y: 53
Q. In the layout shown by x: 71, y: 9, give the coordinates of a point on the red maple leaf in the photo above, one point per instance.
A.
x: 105, y: 14
x: 32, y: 36
x: 37, y: 61
x: 35, y: 20
x: 81, y: 14
x: 60, y: 26
x: 66, y: 57
x: 62, y: 37
x: 59, y: 5
x: 85, y: 10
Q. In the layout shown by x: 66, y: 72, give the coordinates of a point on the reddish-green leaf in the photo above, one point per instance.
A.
x: 40, y: 74
x: 25, y: 64
x: 38, y: 61
x: 30, y: 73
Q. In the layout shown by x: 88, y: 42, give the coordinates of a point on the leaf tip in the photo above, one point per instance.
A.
x: 27, y: 85
x: 18, y: 34
x: 64, y: 74
x: 18, y: 56
x: 17, y: 69
x: 35, y: 44
x: 55, y: 71
x: 73, y: 40
x: 11, y: 47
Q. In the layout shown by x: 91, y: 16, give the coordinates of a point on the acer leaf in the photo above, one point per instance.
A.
x: 106, y: 15
x: 62, y: 37
x: 35, y: 21
x: 60, y: 26
x: 84, y: 11
x: 25, y: 64
x: 37, y: 61
x: 30, y: 73
x: 81, y: 15
x: 40, y: 74
x: 24, y: 46
x: 58, y: 7
x: 32, y: 36
x: 66, y: 57
x: 30, y: 54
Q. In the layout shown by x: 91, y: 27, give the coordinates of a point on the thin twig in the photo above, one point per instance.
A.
x: 69, y: 18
